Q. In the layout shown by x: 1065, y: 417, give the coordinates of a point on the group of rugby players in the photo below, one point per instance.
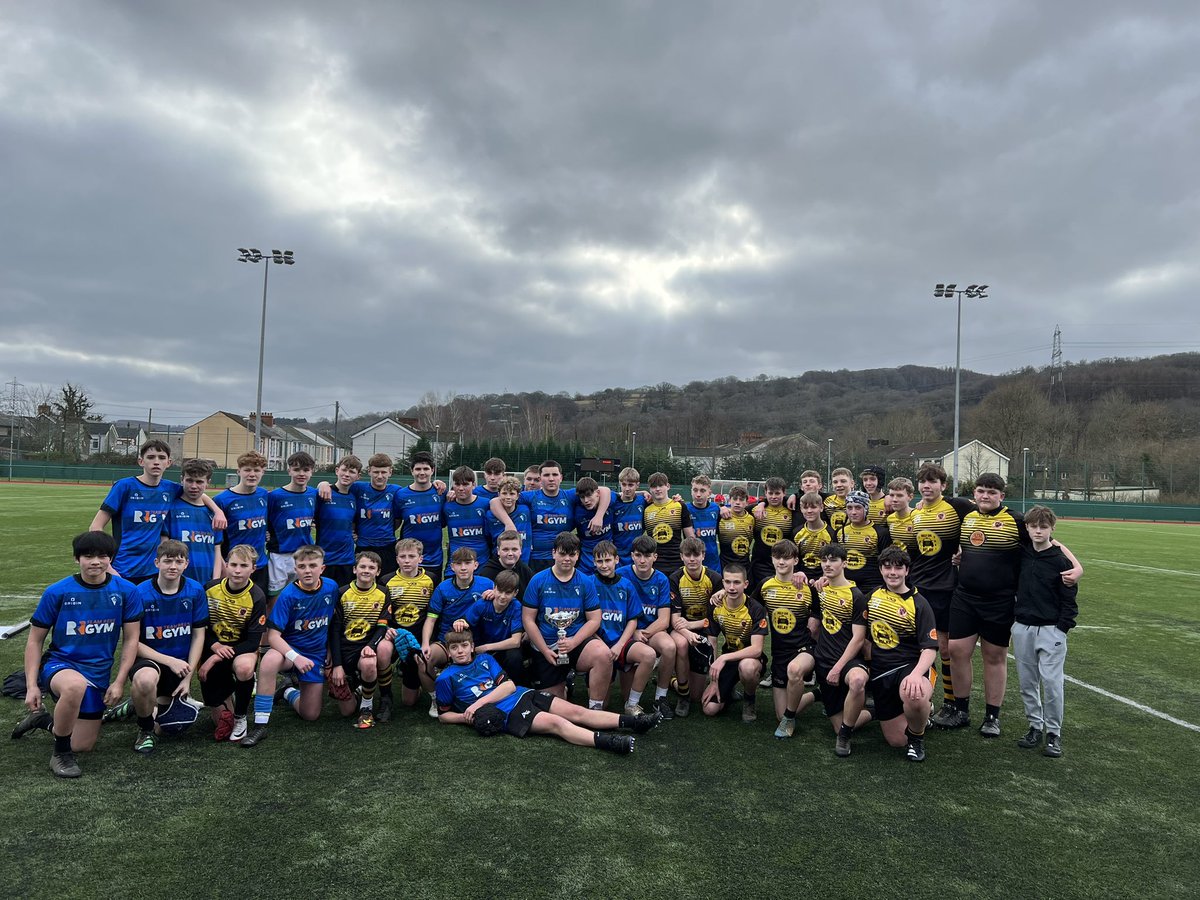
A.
x: 495, y: 599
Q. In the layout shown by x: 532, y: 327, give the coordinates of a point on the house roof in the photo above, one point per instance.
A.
x: 382, y: 422
x: 935, y: 449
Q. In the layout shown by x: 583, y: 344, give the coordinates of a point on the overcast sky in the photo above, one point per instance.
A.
x: 569, y: 196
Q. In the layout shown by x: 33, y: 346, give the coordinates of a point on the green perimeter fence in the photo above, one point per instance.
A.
x: 1067, y: 509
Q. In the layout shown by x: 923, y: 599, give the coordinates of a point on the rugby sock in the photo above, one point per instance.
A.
x: 242, y: 692
x: 595, y: 704
x: 914, y: 734
x: 262, y: 708
x: 789, y: 714
x: 963, y: 705
x: 635, y: 697
x: 625, y: 722
x: 845, y: 730
x: 947, y: 683
x: 751, y: 697
x: 62, y: 742
x: 681, y: 688
x: 659, y: 693
x: 385, y: 680
x: 290, y: 696
x: 368, y: 693
x: 993, y: 712
x: 145, y: 723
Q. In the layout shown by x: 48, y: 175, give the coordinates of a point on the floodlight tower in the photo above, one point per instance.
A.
x: 973, y: 292
x: 280, y: 258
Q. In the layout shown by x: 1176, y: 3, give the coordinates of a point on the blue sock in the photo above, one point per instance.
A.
x: 262, y: 708
x: 290, y: 696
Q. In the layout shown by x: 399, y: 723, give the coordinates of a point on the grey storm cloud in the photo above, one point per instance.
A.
x: 554, y: 196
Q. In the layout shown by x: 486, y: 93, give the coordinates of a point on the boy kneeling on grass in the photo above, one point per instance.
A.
x: 473, y: 690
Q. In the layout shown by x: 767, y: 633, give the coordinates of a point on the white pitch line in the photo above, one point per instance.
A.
x: 1138, y: 706
x: 1125, y: 565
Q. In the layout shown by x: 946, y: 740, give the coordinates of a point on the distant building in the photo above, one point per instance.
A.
x: 974, y: 458
x: 385, y: 436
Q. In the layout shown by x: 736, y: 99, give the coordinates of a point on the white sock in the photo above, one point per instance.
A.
x: 635, y: 697
x: 595, y: 704
x: 659, y: 693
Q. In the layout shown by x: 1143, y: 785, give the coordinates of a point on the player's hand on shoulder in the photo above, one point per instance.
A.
x: 324, y: 491
x: 439, y: 486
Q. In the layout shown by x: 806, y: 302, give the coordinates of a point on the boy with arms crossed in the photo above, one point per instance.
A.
x: 743, y: 622
x: 191, y: 522
x: 298, y: 638
x: 903, y: 647
x: 237, y: 616
x: 83, y: 615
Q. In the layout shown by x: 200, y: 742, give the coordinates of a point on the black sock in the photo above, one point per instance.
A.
x: 910, y: 734
x: 845, y: 730
x: 751, y: 697
x: 789, y: 714
x: 624, y: 721
x: 145, y: 723
x: 993, y: 712
x: 62, y: 743
x: 242, y: 692
x: 963, y: 705
x: 599, y: 739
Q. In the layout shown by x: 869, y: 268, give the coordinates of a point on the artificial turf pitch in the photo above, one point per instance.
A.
x: 704, y: 807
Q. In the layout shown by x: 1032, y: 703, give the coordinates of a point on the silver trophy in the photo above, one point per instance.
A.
x: 562, y: 619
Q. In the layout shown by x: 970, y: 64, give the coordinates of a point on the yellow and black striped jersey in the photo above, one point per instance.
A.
x: 809, y: 542
x: 863, y: 543
x: 837, y: 609
x: 736, y: 537
x: 775, y: 525
x: 835, y: 511
x: 876, y: 514
x: 991, y: 552
x: 937, y: 531
x: 788, y: 608
x: 665, y: 523
x: 690, y: 596
x: 903, y: 530
x: 899, y: 626
x: 409, y: 599
x: 738, y: 624
x: 236, y: 618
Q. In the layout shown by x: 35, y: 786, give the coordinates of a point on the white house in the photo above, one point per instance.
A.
x: 974, y: 458
x: 385, y: 436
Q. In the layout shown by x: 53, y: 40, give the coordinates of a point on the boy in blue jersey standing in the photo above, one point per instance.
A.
x: 465, y: 516
x: 493, y: 475
x: 587, y: 501
x: 629, y: 514
x: 418, y: 511
x: 298, y: 634
x: 191, y: 522
x: 246, y: 506
x: 290, y: 513
x: 510, y: 492
x: 138, y: 509
x: 84, y: 615
x: 376, y: 519
x: 706, y: 515
x: 335, y: 520
x: 175, y: 617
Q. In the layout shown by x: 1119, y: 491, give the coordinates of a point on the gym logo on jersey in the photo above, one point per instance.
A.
x: 300, y: 523
x: 166, y: 632
x: 314, y: 624
x: 197, y: 537
x: 149, y: 515
x: 104, y: 626
x: 253, y: 524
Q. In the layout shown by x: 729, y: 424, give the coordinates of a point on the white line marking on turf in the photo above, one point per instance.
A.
x: 1138, y: 706
x: 1125, y: 565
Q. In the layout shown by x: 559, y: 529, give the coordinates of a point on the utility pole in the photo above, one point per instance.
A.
x: 337, y: 412
x: 12, y: 422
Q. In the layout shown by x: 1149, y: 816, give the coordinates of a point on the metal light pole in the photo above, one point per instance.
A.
x: 437, y: 442
x: 633, y: 453
x: 281, y: 258
x: 1024, y: 475
x: 829, y: 462
x: 972, y: 291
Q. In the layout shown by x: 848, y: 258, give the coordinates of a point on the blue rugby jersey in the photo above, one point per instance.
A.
x: 169, y: 619
x: 247, y: 515
x: 549, y: 517
x: 376, y: 520
x: 619, y: 604
x: 466, y: 526
x: 546, y: 594
x: 704, y: 523
x: 139, y: 520
x: 335, y: 527
x: 419, y: 515
x: 302, y: 617
x: 628, y: 523
x: 85, y: 623
x: 581, y: 518
x: 290, y: 516
x: 521, y: 519
x: 450, y: 603
x: 460, y: 686
x: 489, y: 625
x: 191, y: 524
x: 653, y: 594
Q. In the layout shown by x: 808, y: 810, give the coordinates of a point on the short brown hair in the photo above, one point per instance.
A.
x: 312, y: 551
x: 379, y: 461
x: 508, y: 535
x: 901, y: 484
x: 301, y: 460
x: 586, y: 486
x: 251, y: 459
x: 197, y: 468
x: 463, y: 475
x: 177, y: 549
x: 351, y: 462
x: 1040, y: 516
x: 459, y: 637
x: 931, y: 472
x: 244, y: 552
x: 690, y: 546
x: 785, y: 549
x: 842, y: 470
x: 812, y: 498
x: 738, y: 493
x: 370, y: 556
x: 658, y: 479
x: 463, y: 554
x: 510, y: 484
x: 507, y: 582
x: 494, y: 466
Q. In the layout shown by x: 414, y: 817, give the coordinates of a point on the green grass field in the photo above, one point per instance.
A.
x: 704, y: 807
